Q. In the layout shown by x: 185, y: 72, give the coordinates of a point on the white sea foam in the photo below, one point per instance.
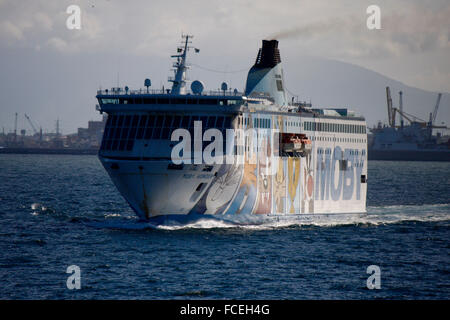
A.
x: 401, y: 213
x: 374, y: 216
x: 37, y: 208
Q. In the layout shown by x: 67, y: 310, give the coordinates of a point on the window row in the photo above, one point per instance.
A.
x: 334, y: 127
x: 121, y: 130
x: 261, y: 123
x: 310, y: 126
x: 338, y: 139
x: 169, y: 121
x: 165, y: 100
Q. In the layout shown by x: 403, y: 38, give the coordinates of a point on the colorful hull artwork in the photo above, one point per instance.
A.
x: 260, y: 179
x: 264, y: 183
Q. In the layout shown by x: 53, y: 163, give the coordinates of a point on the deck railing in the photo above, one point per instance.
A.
x: 121, y: 91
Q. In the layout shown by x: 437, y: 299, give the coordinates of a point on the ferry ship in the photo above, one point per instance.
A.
x: 179, y: 151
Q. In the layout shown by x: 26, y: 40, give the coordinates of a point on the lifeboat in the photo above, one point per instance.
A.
x: 296, y: 145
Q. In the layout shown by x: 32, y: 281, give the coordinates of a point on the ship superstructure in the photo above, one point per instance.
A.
x: 227, y: 152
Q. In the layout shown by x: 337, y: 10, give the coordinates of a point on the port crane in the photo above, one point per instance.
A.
x: 15, y: 128
x: 433, y: 115
x: 34, y: 128
x: 31, y: 123
x: 392, y: 111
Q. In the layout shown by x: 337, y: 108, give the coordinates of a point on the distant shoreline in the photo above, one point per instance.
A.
x: 69, y: 151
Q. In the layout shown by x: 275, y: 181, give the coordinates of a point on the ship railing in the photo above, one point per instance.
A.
x: 121, y: 91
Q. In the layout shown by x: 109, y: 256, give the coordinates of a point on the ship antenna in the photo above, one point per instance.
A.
x: 179, y: 80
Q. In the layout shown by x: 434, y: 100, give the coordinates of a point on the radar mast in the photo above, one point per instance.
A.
x: 180, y: 67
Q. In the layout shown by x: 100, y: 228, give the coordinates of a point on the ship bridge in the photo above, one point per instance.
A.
x: 157, y: 99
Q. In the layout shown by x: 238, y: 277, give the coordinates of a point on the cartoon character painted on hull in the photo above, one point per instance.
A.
x: 264, y: 200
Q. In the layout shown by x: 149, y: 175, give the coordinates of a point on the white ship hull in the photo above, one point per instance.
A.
x: 331, y: 179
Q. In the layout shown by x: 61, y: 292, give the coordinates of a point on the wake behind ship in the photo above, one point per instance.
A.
x: 179, y: 152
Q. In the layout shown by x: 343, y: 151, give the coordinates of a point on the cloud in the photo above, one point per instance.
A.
x: 58, y: 44
x: 339, y: 29
x: 43, y: 20
x: 413, y: 31
x: 10, y: 32
x: 230, y: 29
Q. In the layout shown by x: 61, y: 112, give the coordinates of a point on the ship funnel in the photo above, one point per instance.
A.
x: 265, y: 78
x: 268, y: 55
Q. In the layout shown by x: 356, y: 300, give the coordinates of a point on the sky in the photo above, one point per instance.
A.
x: 51, y: 72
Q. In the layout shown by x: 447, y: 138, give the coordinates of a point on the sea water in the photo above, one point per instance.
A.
x: 58, y: 211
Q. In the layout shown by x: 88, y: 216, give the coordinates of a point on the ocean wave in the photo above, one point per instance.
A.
x: 374, y: 216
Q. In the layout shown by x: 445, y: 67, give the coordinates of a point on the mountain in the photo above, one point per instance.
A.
x: 333, y: 83
x: 48, y: 86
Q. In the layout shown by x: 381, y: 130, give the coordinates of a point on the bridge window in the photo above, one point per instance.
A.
x: 279, y: 85
x: 203, y: 120
x: 178, y: 101
x: 191, y: 122
x: 158, y: 125
x: 207, y: 101
x: 166, y: 127
x: 159, y: 121
x: 185, y: 122
x: 211, y: 122
x: 176, y: 122
x: 125, y: 101
x: 149, y: 100
x: 110, y: 101
x: 132, y: 135
x: 168, y: 121
x: 219, y: 123
x: 165, y: 133
x: 142, y: 124
x: 228, y: 122
x: 120, y: 121
x: 135, y: 120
